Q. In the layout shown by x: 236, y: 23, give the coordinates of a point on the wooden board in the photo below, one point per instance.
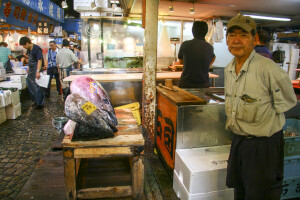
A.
x: 47, y: 180
x: 180, y: 97
x: 130, y: 76
x: 129, y: 134
x: 166, y: 129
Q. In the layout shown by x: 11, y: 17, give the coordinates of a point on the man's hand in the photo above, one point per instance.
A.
x: 37, y: 75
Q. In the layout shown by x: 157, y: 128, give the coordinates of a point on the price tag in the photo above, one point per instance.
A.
x: 89, y: 107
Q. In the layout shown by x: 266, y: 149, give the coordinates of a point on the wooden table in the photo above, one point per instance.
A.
x: 133, y: 77
x: 127, y: 142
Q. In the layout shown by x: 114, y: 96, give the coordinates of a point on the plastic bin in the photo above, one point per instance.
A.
x: 292, y: 143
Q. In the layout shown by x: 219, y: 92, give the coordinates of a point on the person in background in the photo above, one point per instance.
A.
x: 35, y: 59
x: 262, y: 40
x: 22, y: 58
x: 77, y: 49
x: 65, y: 57
x: 257, y: 93
x: 197, y: 56
x: 5, y: 56
x: 52, y: 68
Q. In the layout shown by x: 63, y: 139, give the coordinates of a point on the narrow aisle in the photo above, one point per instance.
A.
x: 25, y: 140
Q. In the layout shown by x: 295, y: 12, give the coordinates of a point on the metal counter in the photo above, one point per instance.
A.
x: 203, y: 125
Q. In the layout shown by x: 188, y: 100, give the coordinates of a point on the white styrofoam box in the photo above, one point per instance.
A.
x: 20, y: 71
x: 18, y: 78
x: 2, y: 71
x: 2, y: 115
x: 7, y: 97
x: 2, y: 100
x: 13, y: 112
x: 183, y: 194
x: 15, y: 97
x: 202, y: 170
x: 9, y: 84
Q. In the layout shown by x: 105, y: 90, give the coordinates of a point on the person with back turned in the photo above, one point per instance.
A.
x: 257, y: 93
x: 262, y: 40
x: 197, y: 56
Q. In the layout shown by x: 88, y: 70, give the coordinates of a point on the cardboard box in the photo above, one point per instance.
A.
x: 183, y: 194
x: 202, y: 170
x: 13, y: 112
x: 2, y: 115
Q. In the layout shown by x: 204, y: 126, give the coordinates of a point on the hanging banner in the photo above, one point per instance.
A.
x: 73, y: 26
x: 21, y: 16
x: 45, y: 7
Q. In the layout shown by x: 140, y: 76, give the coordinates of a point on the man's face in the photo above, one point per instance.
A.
x: 52, y: 46
x: 26, y: 45
x: 240, y: 43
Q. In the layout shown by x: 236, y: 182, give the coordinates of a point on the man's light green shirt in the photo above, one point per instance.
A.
x: 256, y: 98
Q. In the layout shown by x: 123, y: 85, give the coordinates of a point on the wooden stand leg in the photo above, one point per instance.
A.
x: 137, y: 177
x: 70, y: 176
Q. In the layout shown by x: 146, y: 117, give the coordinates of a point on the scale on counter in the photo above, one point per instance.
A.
x: 174, y: 41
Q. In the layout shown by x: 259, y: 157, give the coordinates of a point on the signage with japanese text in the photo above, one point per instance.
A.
x: 21, y: 16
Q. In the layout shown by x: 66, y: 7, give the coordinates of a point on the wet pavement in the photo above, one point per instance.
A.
x: 25, y: 140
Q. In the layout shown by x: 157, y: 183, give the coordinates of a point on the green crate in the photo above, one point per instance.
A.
x: 292, y: 143
x: 291, y: 188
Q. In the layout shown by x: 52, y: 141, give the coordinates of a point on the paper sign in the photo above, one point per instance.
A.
x: 89, y: 107
x: 43, y: 81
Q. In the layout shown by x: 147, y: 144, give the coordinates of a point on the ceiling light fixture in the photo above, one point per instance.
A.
x: 192, y: 10
x: 266, y: 17
x: 171, y: 9
x: 93, y: 5
x: 64, y: 4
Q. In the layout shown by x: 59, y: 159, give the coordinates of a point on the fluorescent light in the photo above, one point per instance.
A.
x: 64, y: 4
x: 266, y: 17
x: 171, y: 9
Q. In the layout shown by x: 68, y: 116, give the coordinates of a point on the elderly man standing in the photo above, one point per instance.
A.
x: 258, y: 92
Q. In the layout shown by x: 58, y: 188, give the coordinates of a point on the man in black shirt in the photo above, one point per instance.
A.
x: 197, y: 56
x: 35, y: 60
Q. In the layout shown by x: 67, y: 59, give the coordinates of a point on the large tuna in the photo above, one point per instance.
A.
x: 83, y: 112
x: 92, y: 91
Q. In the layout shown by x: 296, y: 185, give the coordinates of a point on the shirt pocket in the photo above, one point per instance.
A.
x: 248, y: 108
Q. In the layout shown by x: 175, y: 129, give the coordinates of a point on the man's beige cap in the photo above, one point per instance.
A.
x: 244, y: 22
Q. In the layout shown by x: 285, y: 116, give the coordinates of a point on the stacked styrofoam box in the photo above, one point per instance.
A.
x: 13, y: 112
x: 20, y: 70
x: 2, y: 74
x: 10, y: 84
x: 200, y: 173
x: 18, y: 78
x: 10, y: 105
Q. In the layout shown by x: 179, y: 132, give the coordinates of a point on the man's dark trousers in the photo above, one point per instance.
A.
x: 53, y: 71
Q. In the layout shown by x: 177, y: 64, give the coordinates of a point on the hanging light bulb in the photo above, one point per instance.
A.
x: 192, y: 10
x: 171, y: 9
x: 93, y: 5
x: 64, y: 4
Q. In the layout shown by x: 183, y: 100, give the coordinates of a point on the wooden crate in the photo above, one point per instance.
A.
x: 128, y: 142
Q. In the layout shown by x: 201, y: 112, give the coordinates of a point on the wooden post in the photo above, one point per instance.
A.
x: 149, y: 74
x: 70, y: 174
x: 137, y: 173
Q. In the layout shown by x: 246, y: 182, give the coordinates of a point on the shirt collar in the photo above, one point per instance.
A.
x: 231, y: 67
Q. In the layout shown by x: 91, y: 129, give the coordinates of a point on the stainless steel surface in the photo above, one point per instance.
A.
x: 59, y: 122
x: 202, y: 125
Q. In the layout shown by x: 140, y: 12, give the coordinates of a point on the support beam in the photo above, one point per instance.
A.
x: 149, y: 74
